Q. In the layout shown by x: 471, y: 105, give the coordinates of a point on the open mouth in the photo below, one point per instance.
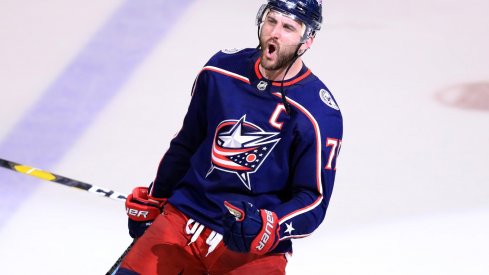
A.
x: 271, y: 48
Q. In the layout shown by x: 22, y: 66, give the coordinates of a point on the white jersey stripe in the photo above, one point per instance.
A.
x: 225, y: 72
x: 318, y: 162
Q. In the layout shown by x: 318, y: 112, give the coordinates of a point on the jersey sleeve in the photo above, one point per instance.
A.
x: 313, y: 172
x: 176, y: 161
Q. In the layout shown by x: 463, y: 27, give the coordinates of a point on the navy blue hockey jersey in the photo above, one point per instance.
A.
x: 237, y: 143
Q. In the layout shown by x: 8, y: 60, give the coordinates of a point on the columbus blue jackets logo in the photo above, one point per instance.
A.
x: 240, y: 147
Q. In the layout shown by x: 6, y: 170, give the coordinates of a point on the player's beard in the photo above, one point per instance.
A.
x: 285, y: 55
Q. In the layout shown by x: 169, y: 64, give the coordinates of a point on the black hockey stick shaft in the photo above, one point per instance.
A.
x: 41, y: 174
x: 116, y: 265
x: 45, y: 175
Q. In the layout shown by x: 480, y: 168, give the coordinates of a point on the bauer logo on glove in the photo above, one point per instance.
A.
x: 248, y: 229
x: 142, y: 209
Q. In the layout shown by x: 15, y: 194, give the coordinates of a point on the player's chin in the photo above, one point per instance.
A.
x: 268, y: 59
x: 268, y: 64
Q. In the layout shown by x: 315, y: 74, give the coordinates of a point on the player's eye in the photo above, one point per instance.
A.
x: 271, y: 20
x: 289, y: 27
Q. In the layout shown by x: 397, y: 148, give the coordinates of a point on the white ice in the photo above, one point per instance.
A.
x: 412, y: 186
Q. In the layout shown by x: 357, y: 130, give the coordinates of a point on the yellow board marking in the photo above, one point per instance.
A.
x: 34, y: 172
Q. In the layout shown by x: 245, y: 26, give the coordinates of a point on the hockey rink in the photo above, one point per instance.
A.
x: 95, y: 91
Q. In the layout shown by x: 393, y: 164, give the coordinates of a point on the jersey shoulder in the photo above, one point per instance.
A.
x: 314, y: 94
x: 316, y: 103
x: 233, y: 60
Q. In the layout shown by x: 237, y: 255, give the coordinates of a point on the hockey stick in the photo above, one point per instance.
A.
x: 41, y: 174
x: 116, y: 265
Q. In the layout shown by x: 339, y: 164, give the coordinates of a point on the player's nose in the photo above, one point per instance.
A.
x: 275, y: 32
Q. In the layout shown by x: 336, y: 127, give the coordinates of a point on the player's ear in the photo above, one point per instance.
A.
x: 306, y: 45
x: 309, y: 42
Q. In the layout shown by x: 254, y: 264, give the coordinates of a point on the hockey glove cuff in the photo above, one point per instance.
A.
x: 248, y: 229
x: 142, y: 210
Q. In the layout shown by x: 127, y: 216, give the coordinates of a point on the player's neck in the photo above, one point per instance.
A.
x: 278, y: 75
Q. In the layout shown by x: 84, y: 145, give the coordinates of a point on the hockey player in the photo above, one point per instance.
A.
x: 253, y: 165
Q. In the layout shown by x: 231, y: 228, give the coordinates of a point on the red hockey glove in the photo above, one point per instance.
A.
x: 142, y: 210
x: 248, y: 229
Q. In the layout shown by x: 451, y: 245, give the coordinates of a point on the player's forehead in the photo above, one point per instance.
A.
x: 284, y: 17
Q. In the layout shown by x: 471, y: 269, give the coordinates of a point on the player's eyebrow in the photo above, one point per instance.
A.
x: 271, y: 17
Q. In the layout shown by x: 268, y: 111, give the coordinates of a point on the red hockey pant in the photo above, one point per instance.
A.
x: 175, y: 244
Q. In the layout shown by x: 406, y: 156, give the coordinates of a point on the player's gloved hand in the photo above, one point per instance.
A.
x: 248, y: 229
x: 142, y: 210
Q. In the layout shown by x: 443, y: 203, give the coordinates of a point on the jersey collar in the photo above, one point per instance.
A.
x: 303, y: 73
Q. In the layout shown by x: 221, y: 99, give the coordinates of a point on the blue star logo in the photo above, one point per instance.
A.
x: 241, y: 147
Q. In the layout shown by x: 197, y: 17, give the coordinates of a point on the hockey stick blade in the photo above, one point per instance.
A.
x: 44, y: 175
